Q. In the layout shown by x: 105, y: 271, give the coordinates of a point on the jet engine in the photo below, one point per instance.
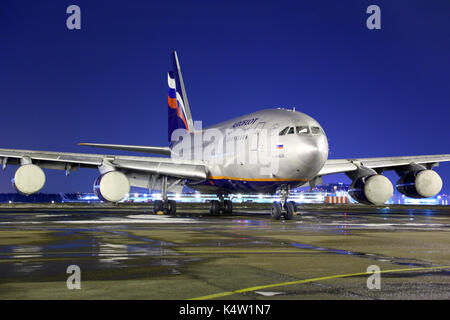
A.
x: 373, y: 189
x: 29, y: 179
x: 112, y: 186
x: 420, y: 184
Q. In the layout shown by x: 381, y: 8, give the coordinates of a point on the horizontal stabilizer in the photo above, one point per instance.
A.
x: 144, y: 149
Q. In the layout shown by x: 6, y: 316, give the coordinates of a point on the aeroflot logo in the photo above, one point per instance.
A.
x: 244, y: 123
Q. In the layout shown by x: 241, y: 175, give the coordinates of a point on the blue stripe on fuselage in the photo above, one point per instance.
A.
x: 245, y: 186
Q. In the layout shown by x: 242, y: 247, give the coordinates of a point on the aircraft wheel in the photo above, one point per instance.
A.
x: 215, y: 207
x: 294, y: 204
x: 289, y: 215
x: 276, y: 211
x: 172, y: 210
x: 227, y: 207
x: 158, y: 207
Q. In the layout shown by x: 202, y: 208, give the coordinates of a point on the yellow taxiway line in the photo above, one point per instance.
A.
x: 229, y: 293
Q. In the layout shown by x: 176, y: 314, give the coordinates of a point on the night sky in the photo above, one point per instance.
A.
x: 375, y: 92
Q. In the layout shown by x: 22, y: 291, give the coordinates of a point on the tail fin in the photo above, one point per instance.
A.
x: 179, y: 111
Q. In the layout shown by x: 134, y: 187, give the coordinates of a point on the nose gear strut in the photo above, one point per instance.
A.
x: 290, y: 207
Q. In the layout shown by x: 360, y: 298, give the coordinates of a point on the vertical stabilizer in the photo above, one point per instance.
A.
x: 179, y: 111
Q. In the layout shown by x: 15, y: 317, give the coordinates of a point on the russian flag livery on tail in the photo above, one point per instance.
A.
x: 179, y: 114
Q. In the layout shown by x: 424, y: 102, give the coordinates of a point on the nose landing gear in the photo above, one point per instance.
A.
x: 290, y: 207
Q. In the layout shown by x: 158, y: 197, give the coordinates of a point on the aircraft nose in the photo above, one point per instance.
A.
x: 313, y: 154
x: 310, y: 151
x: 311, y: 146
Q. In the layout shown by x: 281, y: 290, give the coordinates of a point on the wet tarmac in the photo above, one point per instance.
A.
x: 125, y: 252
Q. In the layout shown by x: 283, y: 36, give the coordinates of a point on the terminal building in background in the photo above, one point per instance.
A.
x: 327, y: 193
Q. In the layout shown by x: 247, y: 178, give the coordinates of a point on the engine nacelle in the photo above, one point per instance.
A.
x: 420, y: 184
x: 28, y: 179
x: 112, y: 186
x: 374, y: 189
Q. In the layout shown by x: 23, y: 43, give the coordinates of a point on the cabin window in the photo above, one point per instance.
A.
x: 302, y: 129
x: 291, y: 130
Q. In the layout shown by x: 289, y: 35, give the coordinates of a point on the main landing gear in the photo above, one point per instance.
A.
x: 165, y: 206
x: 221, y: 206
x: 290, y: 207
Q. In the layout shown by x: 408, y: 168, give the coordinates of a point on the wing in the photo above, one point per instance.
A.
x: 145, y: 149
x: 130, y: 164
x: 380, y: 164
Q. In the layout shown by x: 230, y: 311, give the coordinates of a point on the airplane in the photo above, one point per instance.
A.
x: 293, y: 144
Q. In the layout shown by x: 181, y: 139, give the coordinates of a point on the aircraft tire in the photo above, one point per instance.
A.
x: 294, y: 204
x: 289, y: 215
x: 215, y: 207
x: 158, y: 206
x: 227, y: 207
x: 172, y: 210
x: 276, y: 211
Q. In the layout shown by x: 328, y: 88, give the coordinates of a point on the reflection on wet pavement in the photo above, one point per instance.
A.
x: 197, y: 254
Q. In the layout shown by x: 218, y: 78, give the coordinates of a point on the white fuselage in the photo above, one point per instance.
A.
x: 257, y: 152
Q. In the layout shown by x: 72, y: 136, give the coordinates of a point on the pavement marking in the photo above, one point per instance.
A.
x: 229, y: 293
x: 268, y: 294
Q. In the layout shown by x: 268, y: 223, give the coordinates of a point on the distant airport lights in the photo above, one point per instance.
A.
x: 299, y: 197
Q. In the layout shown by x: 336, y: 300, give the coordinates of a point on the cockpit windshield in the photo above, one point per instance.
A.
x: 283, y: 132
x: 315, y: 130
x: 300, y: 129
